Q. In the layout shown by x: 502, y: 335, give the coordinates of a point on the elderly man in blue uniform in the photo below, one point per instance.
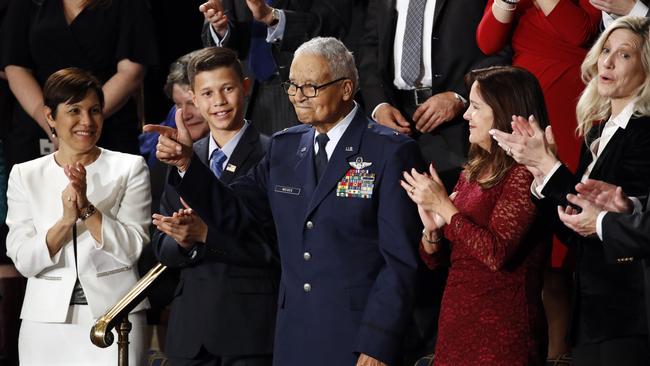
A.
x: 347, y: 233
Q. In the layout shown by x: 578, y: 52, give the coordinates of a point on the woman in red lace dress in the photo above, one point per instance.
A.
x: 491, y: 312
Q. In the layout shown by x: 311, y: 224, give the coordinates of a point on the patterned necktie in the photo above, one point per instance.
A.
x: 412, y: 44
x: 216, y: 162
x: 320, y: 159
x: 260, y: 57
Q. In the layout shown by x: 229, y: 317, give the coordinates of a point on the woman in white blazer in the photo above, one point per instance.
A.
x: 78, y: 219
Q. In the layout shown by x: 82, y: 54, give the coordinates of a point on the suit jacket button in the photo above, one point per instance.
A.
x: 306, y: 256
x: 310, y: 225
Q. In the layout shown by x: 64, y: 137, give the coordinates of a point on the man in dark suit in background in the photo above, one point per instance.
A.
x: 265, y: 33
x: 224, y: 305
x: 415, y: 54
x: 347, y: 234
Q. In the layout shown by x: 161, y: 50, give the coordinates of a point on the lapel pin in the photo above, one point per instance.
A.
x: 231, y: 168
x: 349, y: 148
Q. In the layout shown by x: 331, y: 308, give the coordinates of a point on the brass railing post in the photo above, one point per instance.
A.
x: 101, y: 333
x: 123, y: 342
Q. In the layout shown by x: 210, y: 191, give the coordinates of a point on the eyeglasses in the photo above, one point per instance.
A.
x: 308, y: 90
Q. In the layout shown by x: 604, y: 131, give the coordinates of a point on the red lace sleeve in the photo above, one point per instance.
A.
x: 509, y: 221
x: 435, y: 260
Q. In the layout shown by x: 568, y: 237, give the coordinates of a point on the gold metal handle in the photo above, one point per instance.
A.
x: 101, y: 333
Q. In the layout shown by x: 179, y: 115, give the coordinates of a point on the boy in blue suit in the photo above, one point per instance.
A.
x: 347, y: 233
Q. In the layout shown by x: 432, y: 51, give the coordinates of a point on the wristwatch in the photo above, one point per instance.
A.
x: 461, y: 99
x: 86, y: 212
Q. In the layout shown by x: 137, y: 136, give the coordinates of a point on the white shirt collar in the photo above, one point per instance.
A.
x: 336, y: 132
x: 230, y: 146
x: 621, y: 120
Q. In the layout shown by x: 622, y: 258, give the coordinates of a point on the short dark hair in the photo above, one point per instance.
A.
x: 212, y: 58
x: 508, y: 91
x: 70, y: 85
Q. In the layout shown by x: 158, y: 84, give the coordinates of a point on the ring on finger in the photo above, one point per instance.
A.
x: 412, y: 191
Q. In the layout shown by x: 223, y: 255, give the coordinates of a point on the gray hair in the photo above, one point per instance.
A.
x: 178, y: 73
x: 339, y: 59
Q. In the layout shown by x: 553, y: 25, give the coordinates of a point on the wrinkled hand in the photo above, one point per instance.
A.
x: 391, y: 117
x: 70, y: 209
x: 582, y: 222
x: 214, y: 14
x: 607, y: 196
x: 261, y: 11
x: 528, y: 145
x: 365, y: 360
x: 76, y: 173
x: 174, y: 145
x: 184, y: 226
x: 616, y: 7
x: 437, y: 110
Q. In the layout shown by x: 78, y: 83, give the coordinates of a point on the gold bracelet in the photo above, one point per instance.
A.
x: 427, y: 238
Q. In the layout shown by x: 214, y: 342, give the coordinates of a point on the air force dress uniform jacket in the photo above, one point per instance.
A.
x: 347, y: 243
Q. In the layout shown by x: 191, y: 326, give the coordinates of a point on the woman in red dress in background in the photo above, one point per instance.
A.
x: 491, y: 312
x: 550, y: 39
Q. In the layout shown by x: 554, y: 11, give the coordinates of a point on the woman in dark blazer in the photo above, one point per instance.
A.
x: 609, y: 320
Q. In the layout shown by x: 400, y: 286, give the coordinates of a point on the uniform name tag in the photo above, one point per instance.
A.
x: 357, y: 183
x: 287, y: 190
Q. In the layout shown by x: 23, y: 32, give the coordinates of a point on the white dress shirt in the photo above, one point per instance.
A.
x: 639, y: 10
x: 336, y: 132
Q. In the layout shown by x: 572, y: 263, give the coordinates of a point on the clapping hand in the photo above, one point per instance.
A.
x: 582, y: 220
x: 174, y: 145
x: 607, y: 196
x: 429, y: 193
x: 528, y: 145
x: 70, y: 210
x: 184, y: 226
x: 76, y: 173
x: 214, y: 14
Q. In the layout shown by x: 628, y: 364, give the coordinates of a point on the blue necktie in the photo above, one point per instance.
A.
x: 216, y: 162
x: 260, y: 57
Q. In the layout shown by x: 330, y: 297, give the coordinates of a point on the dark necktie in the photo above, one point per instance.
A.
x: 412, y: 44
x: 216, y: 162
x: 260, y: 57
x: 320, y: 159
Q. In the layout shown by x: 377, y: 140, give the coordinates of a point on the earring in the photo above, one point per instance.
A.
x: 53, y: 131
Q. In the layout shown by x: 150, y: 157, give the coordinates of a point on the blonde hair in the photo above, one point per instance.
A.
x: 592, y: 107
